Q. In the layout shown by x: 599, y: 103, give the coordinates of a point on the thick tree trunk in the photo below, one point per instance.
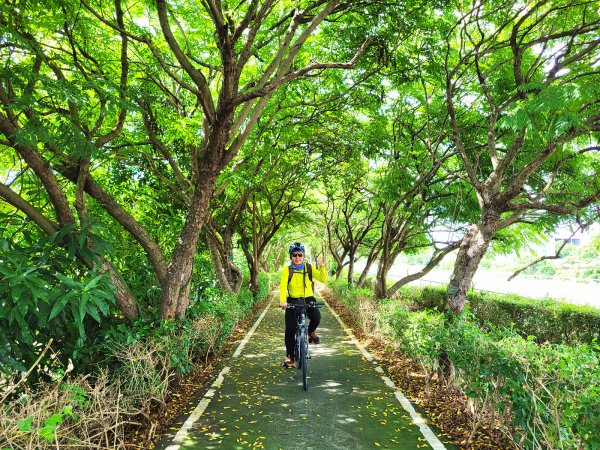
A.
x: 471, y: 251
x: 184, y: 296
x: 252, y: 258
x: 387, y: 257
x: 385, y: 264
x: 180, y: 268
x: 254, y: 278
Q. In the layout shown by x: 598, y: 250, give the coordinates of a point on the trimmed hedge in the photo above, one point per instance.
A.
x: 545, y: 319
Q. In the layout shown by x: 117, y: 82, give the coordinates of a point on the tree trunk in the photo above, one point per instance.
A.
x: 184, y: 296
x: 381, y: 280
x: 351, y: 271
x: 254, y: 278
x: 385, y: 263
x: 472, y: 249
x: 180, y: 269
x: 229, y: 276
x: 255, y: 252
x: 370, y: 260
x: 252, y: 259
x: 125, y: 301
x: 264, y: 264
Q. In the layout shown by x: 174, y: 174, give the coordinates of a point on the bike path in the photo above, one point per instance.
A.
x: 256, y: 403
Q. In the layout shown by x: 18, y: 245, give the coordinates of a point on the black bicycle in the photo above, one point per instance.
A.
x: 301, y: 350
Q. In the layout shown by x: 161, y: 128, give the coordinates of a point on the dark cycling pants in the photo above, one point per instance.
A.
x: 313, y: 314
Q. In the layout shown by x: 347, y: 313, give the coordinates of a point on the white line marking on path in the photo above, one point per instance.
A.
x: 250, y: 333
x: 417, y: 419
x: 201, y: 407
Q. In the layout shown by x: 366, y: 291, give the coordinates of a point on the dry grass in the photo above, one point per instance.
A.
x: 144, y: 373
x: 206, y: 330
x: 81, y: 413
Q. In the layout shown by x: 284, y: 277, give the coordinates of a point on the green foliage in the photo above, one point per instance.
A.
x: 546, y: 320
x: 549, y: 390
x: 350, y: 297
x: 551, y: 112
x: 420, y: 335
x: 46, y: 296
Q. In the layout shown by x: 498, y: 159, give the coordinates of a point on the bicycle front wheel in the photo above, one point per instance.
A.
x: 304, y: 359
x: 297, y: 356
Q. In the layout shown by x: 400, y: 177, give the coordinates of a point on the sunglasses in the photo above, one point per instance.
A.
x: 297, y: 255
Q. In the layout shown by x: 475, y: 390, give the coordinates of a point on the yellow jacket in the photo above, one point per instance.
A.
x: 297, y: 285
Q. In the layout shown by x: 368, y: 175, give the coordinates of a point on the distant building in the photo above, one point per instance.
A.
x: 564, y: 234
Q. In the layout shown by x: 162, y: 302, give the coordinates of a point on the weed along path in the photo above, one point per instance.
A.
x: 256, y: 403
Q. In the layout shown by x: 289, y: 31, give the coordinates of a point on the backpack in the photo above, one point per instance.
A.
x: 308, y: 270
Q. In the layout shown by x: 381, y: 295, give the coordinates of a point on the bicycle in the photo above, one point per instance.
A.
x: 302, y: 352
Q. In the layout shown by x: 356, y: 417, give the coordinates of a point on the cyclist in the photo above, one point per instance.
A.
x: 296, y: 287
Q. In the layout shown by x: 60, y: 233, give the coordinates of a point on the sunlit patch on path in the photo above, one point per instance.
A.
x: 256, y: 403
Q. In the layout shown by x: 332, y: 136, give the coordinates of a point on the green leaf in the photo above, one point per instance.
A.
x: 49, y: 428
x: 82, y: 305
x: 24, y: 425
x: 60, y: 305
x: 68, y: 410
x: 68, y: 281
x: 91, y: 309
x: 16, y: 316
x: 101, y: 304
x: 47, y: 433
x: 93, y: 282
x: 56, y: 237
x: 55, y: 419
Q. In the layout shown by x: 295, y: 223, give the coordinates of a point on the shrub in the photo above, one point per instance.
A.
x: 548, y: 392
x: 207, y: 330
x: 545, y: 319
x: 144, y: 371
x: 45, y: 297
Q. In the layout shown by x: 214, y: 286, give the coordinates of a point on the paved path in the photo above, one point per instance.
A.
x: 256, y: 403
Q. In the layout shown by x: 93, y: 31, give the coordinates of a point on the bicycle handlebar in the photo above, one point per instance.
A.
x: 306, y: 305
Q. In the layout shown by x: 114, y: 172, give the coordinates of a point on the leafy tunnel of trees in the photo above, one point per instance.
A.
x: 147, y: 147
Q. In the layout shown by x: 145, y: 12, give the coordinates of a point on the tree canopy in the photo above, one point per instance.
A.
x: 136, y: 137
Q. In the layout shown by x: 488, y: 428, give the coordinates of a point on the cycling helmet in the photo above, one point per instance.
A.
x: 296, y: 246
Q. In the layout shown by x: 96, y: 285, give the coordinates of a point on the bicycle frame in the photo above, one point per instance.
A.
x: 302, y: 351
